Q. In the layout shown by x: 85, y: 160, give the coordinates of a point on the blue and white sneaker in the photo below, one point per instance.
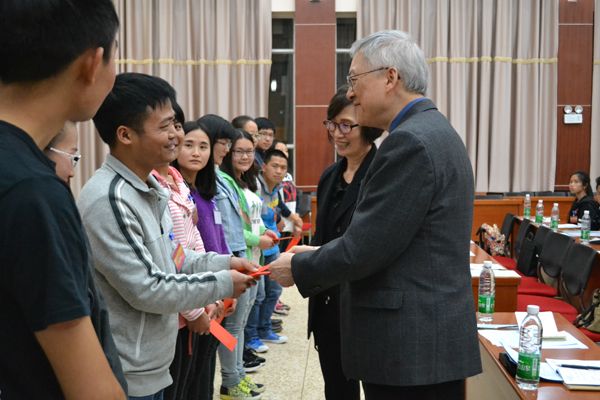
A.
x: 272, y: 337
x: 257, y: 345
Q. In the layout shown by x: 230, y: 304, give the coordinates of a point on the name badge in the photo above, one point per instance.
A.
x: 178, y: 256
x: 218, y: 220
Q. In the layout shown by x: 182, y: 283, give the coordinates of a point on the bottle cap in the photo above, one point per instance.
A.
x: 487, y: 263
x: 555, y: 204
x: 533, y: 309
x: 540, y: 201
x: 527, y: 195
x: 586, y: 212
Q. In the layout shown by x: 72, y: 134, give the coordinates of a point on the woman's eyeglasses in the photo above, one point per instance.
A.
x: 344, y: 127
x: 241, y: 153
x: 74, y: 157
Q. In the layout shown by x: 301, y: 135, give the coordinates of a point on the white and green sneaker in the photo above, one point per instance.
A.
x: 239, y: 392
x: 254, y: 387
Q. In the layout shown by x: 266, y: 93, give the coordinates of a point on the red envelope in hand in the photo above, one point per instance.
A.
x: 295, y: 240
x: 222, y: 335
x: 264, y: 270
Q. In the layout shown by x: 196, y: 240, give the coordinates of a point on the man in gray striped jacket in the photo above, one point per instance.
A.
x: 124, y: 210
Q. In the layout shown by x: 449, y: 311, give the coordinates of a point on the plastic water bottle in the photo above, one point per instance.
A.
x: 487, y: 292
x: 585, y: 227
x: 539, y: 212
x: 554, y: 217
x: 527, y: 207
x: 530, y: 350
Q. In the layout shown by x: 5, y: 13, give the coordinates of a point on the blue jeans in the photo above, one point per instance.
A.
x: 155, y: 396
x: 232, y: 365
x: 259, y: 321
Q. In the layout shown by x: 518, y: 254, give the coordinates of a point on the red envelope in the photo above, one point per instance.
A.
x: 264, y: 270
x: 222, y: 335
x: 295, y: 240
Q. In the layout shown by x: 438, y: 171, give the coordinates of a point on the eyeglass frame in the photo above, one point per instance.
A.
x: 350, y: 79
x: 226, y: 144
x: 75, y: 158
x: 339, y: 127
x: 240, y: 153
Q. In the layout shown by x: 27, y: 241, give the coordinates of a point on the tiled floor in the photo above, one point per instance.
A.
x: 292, y: 370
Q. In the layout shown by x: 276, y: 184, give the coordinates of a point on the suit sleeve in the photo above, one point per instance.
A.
x: 395, y: 199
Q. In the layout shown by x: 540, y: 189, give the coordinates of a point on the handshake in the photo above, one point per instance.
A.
x: 244, y: 274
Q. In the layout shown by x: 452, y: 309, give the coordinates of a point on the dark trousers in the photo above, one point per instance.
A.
x: 326, y: 329
x: 193, y: 372
x: 453, y: 390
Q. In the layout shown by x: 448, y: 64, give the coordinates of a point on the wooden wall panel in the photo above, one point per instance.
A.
x: 573, y: 143
x: 315, y: 27
x: 311, y: 141
x: 579, y: 11
x: 575, y: 62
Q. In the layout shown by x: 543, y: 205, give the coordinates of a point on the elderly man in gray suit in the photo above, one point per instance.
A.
x: 408, y: 325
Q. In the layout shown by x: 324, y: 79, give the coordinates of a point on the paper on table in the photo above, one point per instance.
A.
x: 567, y: 226
x: 577, y: 233
x: 506, y: 273
x: 494, y: 266
x: 577, y: 378
x: 497, y: 337
x: 471, y: 254
x: 546, y: 370
x: 547, y: 318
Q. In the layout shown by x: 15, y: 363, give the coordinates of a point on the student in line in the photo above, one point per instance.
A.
x: 246, y: 123
x: 238, y: 171
x: 48, y: 299
x: 264, y: 141
x: 125, y: 212
x: 258, y: 329
x: 192, y: 323
x: 196, y: 164
x: 64, y: 152
x: 580, y: 187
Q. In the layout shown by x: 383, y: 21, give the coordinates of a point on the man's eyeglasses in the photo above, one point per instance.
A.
x: 74, y: 157
x: 344, y: 127
x: 266, y: 134
x: 241, y: 153
x: 351, y: 79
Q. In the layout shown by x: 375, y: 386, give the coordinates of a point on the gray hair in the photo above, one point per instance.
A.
x: 395, y: 49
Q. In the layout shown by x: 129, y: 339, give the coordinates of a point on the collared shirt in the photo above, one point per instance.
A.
x: 398, y: 119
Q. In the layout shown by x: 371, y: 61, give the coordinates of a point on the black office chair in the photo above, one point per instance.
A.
x: 524, y: 229
x: 576, y: 270
x: 489, y: 196
x: 540, y: 238
x: 506, y: 230
x: 544, y: 193
x: 551, y: 257
x: 514, y: 194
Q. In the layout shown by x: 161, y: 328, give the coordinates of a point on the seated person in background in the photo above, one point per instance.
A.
x: 124, y: 210
x: 63, y: 151
x: 579, y: 186
x: 597, y: 194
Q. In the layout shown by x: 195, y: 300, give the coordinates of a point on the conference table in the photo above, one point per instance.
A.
x: 496, y: 383
x: 506, y: 286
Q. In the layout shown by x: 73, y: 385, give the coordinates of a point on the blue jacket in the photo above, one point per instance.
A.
x: 269, y: 211
x: 231, y: 215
